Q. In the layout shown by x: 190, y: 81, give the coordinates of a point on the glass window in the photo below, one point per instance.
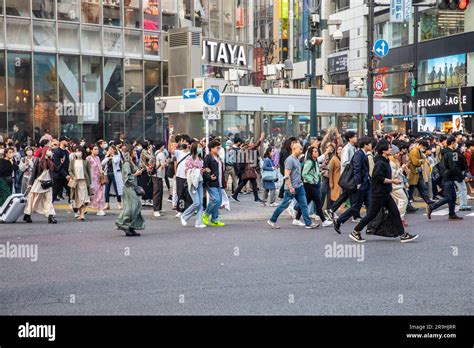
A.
x: 2, y: 32
x: 112, y: 11
x: 343, y: 45
x: 69, y: 96
x: 17, y: 8
x: 397, y: 34
x: 133, y: 42
x: 242, y: 22
x: 229, y: 19
x: 44, y: 35
x: 151, y: 42
x: 113, y: 98
x: 153, y: 124
x: 131, y: 13
x: 91, y: 40
x: 169, y: 12
x: 68, y: 37
x: 200, y: 13
x: 184, y: 13
x: 90, y: 11
x: 45, y: 98
x: 68, y: 10
x: 43, y: 9
x: 214, y: 19
x: 3, y: 96
x: 91, y: 95
x: 20, y: 113
x: 151, y: 15
x: 134, y: 98
x: 436, y: 23
x: 342, y: 5
x: 1, y: 7
x: 18, y: 33
x: 112, y: 41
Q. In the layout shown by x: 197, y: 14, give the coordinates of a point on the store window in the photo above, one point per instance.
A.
x: 132, y: 13
x: 113, y: 99
x: 91, y: 11
x: 91, y: 72
x: 20, y: 113
x: 19, y: 8
x: 43, y: 9
x: 45, y: 92
x: 200, y: 13
x: 436, y: 23
x: 214, y: 19
x: 111, y: 11
x: 343, y: 45
x: 44, y: 35
x: 134, y: 121
x: 342, y: 5
x: 112, y: 41
x: 151, y: 15
x: 396, y: 34
x: 3, y: 95
x: 69, y: 95
x: 153, y: 122
x: 241, y: 21
x: 68, y: 37
x: 18, y: 33
x: 68, y: 10
x: 151, y: 42
x: 228, y: 11
x: 2, y: 33
x: 91, y: 40
x: 169, y: 13
x: 133, y: 43
x: 184, y: 13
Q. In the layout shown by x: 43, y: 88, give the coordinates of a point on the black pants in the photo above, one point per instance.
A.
x: 244, y: 182
x: 147, y: 185
x: 184, y: 199
x: 157, y: 193
x: 357, y: 198
x: 377, y: 203
x: 58, y: 186
x: 340, y: 200
x: 313, y: 194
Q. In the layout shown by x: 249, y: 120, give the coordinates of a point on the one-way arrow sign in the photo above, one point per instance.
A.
x: 189, y: 93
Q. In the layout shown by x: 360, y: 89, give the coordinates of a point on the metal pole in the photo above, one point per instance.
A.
x: 314, y: 109
x: 416, y: 19
x: 370, y: 72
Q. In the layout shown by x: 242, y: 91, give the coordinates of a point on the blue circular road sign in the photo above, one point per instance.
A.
x: 381, y: 48
x: 211, y: 96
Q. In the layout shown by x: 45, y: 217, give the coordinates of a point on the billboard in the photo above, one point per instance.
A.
x: 457, y: 123
x: 436, y: 71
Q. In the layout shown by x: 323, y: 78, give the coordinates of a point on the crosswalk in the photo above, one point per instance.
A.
x: 445, y: 212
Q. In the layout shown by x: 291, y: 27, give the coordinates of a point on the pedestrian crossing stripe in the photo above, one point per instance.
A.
x: 445, y: 212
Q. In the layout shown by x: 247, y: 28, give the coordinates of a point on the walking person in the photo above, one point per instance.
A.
x: 269, y: 177
x: 416, y: 159
x: 40, y: 196
x: 80, y: 173
x: 184, y: 199
x: 61, y: 164
x: 450, y: 173
x: 293, y: 189
x: 130, y: 219
x: 381, y: 188
x: 157, y: 177
x: 97, y: 181
x: 26, y: 166
x: 312, y: 186
x: 398, y: 192
x: 230, y: 162
x: 194, y: 169
x: 7, y: 172
x: 334, y: 175
x: 112, y: 164
x: 213, y: 176
x: 463, y: 167
x: 146, y: 159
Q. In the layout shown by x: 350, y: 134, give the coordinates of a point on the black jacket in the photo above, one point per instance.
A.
x: 62, y: 169
x: 451, y: 171
x: 211, y: 163
x: 360, y: 165
x: 7, y: 168
x: 381, y: 172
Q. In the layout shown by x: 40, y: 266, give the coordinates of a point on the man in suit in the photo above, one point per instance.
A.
x: 360, y: 164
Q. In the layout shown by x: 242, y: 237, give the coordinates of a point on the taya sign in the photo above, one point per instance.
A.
x: 226, y: 53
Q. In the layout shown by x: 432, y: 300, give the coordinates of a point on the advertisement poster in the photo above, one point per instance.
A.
x: 457, y: 123
x: 440, y: 70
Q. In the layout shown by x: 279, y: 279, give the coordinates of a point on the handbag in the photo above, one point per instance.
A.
x: 139, y: 191
x: 347, y: 181
x: 249, y: 172
x: 72, y: 183
x: 103, y: 178
x: 46, y: 184
x: 269, y: 175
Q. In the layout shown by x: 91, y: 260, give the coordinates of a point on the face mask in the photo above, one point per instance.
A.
x: 82, y: 143
x: 104, y: 146
x: 139, y: 148
x: 29, y: 153
x: 49, y: 153
x: 200, y: 151
x: 79, y: 154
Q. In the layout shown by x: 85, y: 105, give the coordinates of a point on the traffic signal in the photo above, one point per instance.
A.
x: 443, y: 95
x: 452, y: 4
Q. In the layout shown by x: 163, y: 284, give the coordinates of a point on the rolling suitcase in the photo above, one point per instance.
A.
x: 13, y: 208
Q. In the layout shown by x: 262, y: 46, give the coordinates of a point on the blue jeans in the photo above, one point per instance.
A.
x: 449, y: 198
x: 300, y: 196
x: 215, y: 201
x: 196, y: 195
x: 462, y: 191
x: 421, y: 188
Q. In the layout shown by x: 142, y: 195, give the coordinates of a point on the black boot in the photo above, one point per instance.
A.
x: 52, y: 220
x: 411, y: 209
x: 133, y: 232
x: 27, y: 219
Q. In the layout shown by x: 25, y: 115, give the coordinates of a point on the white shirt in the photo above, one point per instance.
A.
x: 181, y: 169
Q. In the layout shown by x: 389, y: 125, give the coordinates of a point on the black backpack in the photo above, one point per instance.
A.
x: 346, y: 180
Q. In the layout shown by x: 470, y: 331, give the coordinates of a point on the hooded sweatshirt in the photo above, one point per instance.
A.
x: 382, y: 171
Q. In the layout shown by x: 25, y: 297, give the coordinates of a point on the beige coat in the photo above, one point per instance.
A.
x: 87, y: 176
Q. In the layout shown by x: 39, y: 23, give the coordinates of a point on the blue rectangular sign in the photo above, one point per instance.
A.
x: 189, y: 93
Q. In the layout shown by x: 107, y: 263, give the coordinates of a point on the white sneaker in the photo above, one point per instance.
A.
x: 327, y: 223
x: 292, y: 212
x: 312, y: 226
x: 101, y: 213
x: 298, y: 223
x: 274, y: 205
x: 314, y: 216
x: 156, y: 214
x: 178, y: 215
x: 76, y: 215
x: 183, y: 222
x: 273, y: 225
x: 149, y: 203
x: 200, y: 226
x: 119, y: 206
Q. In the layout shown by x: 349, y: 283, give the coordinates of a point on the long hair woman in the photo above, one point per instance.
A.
x: 7, y: 170
x: 112, y: 164
x: 194, y: 170
x: 40, y: 197
x: 97, y: 187
x: 130, y: 219
x: 26, y: 166
x: 80, y: 172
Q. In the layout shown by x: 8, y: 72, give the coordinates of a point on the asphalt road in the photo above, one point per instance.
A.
x: 89, y: 268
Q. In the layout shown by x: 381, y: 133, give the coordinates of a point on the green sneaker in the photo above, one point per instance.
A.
x: 217, y: 224
x: 205, y: 219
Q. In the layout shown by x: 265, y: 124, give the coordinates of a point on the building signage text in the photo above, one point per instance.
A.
x: 222, y: 52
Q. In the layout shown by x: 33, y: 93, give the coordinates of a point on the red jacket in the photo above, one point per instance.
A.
x: 470, y: 161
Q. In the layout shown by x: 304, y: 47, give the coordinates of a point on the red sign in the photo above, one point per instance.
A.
x: 379, y: 85
x: 378, y: 117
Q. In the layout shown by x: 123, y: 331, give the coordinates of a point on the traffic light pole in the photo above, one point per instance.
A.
x: 370, y: 71
x: 313, y: 129
x: 416, y: 25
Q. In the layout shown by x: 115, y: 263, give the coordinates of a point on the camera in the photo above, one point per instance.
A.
x: 337, y: 36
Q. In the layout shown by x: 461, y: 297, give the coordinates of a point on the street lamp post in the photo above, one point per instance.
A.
x: 313, y: 43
